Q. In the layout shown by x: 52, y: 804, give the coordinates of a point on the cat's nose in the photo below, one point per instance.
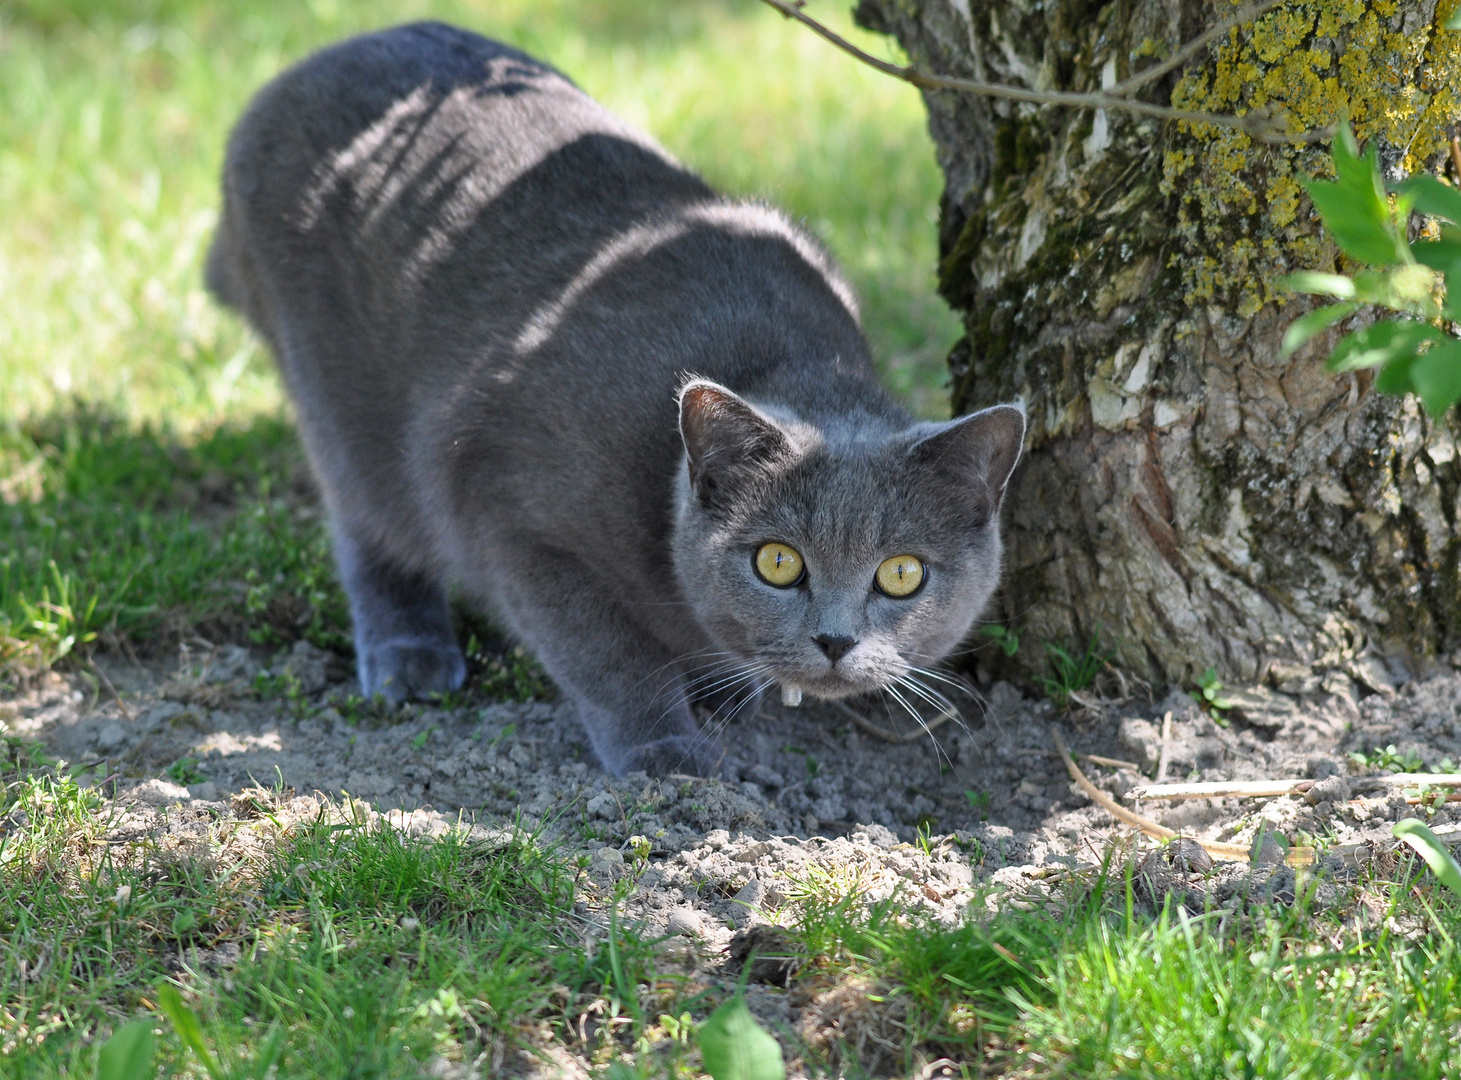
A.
x: 836, y: 646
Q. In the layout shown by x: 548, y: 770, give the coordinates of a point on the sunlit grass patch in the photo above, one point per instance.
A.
x: 131, y: 532
x: 372, y: 948
x: 116, y: 115
x: 1363, y: 982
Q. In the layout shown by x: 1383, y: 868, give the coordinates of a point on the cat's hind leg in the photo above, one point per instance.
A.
x: 404, y: 644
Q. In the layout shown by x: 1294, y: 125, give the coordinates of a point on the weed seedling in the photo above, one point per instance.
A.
x: 1007, y: 640
x: 1388, y: 757
x: 1072, y: 670
x: 185, y: 771
x: 1209, y: 696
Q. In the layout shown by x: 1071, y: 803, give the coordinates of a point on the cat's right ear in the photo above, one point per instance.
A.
x: 729, y: 443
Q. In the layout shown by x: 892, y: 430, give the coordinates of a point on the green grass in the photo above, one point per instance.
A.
x: 1088, y: 986
x: 370, y: 949
x: 147, y: 464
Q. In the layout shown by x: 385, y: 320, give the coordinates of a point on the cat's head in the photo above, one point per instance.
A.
x: 835, y: 562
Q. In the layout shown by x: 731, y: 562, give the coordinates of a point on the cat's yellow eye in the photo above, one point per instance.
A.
x: 902, y: 575
x: 779, y: 565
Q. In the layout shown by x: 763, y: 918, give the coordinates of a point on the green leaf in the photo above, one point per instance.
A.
x: 1429, y: 196
x: 1311, y: 281
x: 127, y: 1055
x: 1436, y: 376
x: 1306, y: 326
x: 1437, y: 856
x: 1354, y: 207
x: 1394, y: 377
x: 1454, y: 22
x: 1381, y: 343
x: 735, y: 1047
x: 185, y: 1023
x: 1442, y: 254
x: 1403, y: 288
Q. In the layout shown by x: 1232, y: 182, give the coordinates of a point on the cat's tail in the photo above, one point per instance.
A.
x: 222, y: 274
x: 228, y: 271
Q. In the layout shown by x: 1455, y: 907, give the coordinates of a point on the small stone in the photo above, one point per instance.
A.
x: 752, y: 852
x: 1321, y: 766
x: 765, y: 776
x: 1333, y: 789
x: 408, y: 923
x: 520, y: 755
x: 111, y: 737
x: 684, y: 922
x: 810, y: 824
x: 746, y: 904
x: 1188, y: 856
x: 207, y: 791
x: 774, y: 955
x: 159, y: 793
x: 612, y: 856
x: 1270, y: 854
x: 603, y: 805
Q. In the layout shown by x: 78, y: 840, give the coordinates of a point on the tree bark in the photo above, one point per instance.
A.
x: 1195, y: 498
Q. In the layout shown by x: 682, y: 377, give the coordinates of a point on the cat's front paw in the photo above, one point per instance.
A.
x: 399, y: 670
x: 696, y: 755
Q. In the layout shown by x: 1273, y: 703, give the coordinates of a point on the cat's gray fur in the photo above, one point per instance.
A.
x: 486, y: 295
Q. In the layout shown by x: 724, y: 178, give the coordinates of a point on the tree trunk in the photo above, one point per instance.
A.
x: 1197, y: 499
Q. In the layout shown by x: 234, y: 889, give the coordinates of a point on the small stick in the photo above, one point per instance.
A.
x: 102, y: 675
x: 1455, y: 161
x: 1257, y: 789
x: 892, y: 736
x: 1094, y: 759
x: 1166, y: 757
x: 1110, y: 763
x: 1231, y: 852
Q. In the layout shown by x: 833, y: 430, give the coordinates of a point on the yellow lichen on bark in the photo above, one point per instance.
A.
x: 1243, y: 217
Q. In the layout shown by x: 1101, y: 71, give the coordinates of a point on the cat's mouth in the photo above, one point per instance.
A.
x: 833, y: 685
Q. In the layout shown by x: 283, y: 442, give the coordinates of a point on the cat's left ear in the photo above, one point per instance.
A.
x: 977, y: 453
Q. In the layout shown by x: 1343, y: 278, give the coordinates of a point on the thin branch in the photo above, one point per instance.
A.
x: 1258, y: 124
x: 1191, y: 49
x: 1258, y: 789
x: 1297, y: 856
x: 1166, y: 757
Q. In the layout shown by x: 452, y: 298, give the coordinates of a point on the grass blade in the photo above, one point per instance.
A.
x: 1437, y: 856
x: 190, y: 1031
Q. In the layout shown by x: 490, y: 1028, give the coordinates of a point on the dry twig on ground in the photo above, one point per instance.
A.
x: 1297, y: 856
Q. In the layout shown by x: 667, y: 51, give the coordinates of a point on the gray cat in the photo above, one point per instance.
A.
x: 536, y: 360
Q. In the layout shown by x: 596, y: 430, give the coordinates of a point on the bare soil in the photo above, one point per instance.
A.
x: 982, y: 812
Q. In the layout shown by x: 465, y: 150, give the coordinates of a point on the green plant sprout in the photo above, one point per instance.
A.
x: 1413, y: 353
x: 1070, y: 673
x: 1007, y: 640
x: 1209, y: 695
x: 185, y: 771
x: 1390, y: 757
x: 734, y: 1046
